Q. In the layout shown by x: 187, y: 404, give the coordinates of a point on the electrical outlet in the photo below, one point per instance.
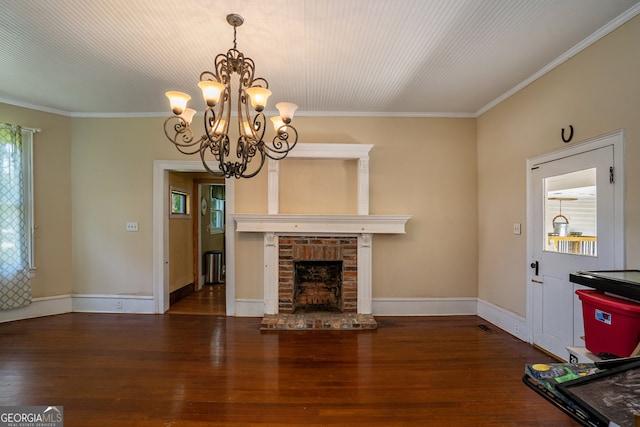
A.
x: 517, y: 328
x: 119, y: 304
x: 132, y: 226
x: 516, y: 228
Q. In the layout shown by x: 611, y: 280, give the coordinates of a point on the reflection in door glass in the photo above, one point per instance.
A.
x: 570, y: 207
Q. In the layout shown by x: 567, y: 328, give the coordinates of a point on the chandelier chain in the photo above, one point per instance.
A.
x: 235, y: 45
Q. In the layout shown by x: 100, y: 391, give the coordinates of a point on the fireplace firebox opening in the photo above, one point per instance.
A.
x: 317, y: 287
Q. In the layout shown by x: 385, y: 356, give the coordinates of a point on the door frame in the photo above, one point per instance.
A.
x: 615, y: 138
x: 161, y: 170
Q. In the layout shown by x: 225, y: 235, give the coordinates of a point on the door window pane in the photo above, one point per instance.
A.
x: 216, y: 225
x: 570, y: 220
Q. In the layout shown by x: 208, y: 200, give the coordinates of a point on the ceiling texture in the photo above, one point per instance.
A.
x: 455, y: 58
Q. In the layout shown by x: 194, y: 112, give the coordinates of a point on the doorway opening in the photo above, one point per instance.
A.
x: 208, y: 231
x: 201, y: 289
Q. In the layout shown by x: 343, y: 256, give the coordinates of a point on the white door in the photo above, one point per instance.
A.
x: 573, y: 226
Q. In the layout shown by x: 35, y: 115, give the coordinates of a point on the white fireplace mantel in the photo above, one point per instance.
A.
x: 362, y: 226
x: 334, y: 224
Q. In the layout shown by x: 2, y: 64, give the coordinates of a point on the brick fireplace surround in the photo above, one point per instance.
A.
x: 291, y: 237
x: 293, y: 249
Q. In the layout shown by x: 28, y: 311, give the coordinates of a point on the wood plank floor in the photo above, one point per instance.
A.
x: 210, y: 300
x: 184, y: 370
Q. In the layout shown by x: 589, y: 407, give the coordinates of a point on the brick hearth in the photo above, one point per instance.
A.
x: 321, y: 321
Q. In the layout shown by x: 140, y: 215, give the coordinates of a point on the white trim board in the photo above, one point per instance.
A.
x: 39, y: 307
x: 509, y: 322
x: 100, y: 303
x: 424, y: 306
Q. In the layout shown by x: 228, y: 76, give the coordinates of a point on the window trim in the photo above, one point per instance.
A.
x: 26, y: 155
x: 187, y: 203
x: 27, y: 183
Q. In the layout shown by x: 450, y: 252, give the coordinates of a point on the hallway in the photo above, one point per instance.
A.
x: 210, y: 300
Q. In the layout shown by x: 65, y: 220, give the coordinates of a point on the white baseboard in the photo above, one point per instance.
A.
x: 97, y: 303
x: 45, y: 306
x: 510, y: 322
x: 424, y: 306
x: 249, y: 307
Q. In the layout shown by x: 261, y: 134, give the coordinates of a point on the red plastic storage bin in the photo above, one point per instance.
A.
x: 611, y: 325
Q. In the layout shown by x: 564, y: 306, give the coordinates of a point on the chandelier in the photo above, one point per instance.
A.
x: 214, y: 146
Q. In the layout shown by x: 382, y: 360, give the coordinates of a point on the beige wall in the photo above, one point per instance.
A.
x: 52, y: 194
x: 112, y: 174
x: 597, y: 91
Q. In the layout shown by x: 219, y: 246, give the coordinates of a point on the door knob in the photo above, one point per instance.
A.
x: 535, y: 265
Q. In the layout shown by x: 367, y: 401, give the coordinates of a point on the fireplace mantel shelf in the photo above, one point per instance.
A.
x: 288, y: 223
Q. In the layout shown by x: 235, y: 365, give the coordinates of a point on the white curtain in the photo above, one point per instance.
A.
x: 15, y: 288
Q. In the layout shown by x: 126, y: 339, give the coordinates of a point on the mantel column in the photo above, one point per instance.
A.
x: 363, y: 186
x: 364, y: 274
x: 271, y: 249
x: 273, y: 190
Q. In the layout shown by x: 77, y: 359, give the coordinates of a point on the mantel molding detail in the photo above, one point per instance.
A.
x: 351, y: 224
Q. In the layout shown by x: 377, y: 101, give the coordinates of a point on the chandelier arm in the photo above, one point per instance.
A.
x: 224, y: 69
x: 281, y: 144
x: 217, y: 142
x: 263, y: 157
x: 196, y: 146
x: 208, y: 146
x: 178, y: 131
x: 260, y: 82
x: 209, y: 75
x: 246, y: 70
x: 213, y: 122
x: 257, y: 124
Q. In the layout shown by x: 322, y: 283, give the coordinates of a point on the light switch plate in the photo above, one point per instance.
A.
x: 132, y: 226
x: 516, y: 228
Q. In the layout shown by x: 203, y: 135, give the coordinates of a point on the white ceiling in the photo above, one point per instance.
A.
x: 332, y: 57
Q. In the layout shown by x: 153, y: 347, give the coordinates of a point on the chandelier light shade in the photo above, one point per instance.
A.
x: 232, y: 71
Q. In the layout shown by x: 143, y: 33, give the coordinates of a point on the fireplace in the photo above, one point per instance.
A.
x: 319, y: 237
x: 317, y: 274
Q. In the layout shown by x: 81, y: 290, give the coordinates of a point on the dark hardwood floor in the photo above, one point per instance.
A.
x: 183, y: 370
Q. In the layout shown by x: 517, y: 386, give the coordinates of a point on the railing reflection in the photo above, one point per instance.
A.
x: 577, y: 245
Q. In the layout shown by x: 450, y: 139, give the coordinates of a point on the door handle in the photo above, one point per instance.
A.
x: 535, y: 265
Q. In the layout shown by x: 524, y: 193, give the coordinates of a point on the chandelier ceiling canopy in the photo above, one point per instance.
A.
x: 233, y: 72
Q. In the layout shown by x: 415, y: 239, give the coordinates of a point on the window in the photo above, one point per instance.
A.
x: 16, y: 216
x: 570, y: 215
x: 216, y: 225
x: 180, y: 203
x: 17, y: 202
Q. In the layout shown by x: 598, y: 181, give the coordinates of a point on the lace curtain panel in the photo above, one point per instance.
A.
x: 15, y: 288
